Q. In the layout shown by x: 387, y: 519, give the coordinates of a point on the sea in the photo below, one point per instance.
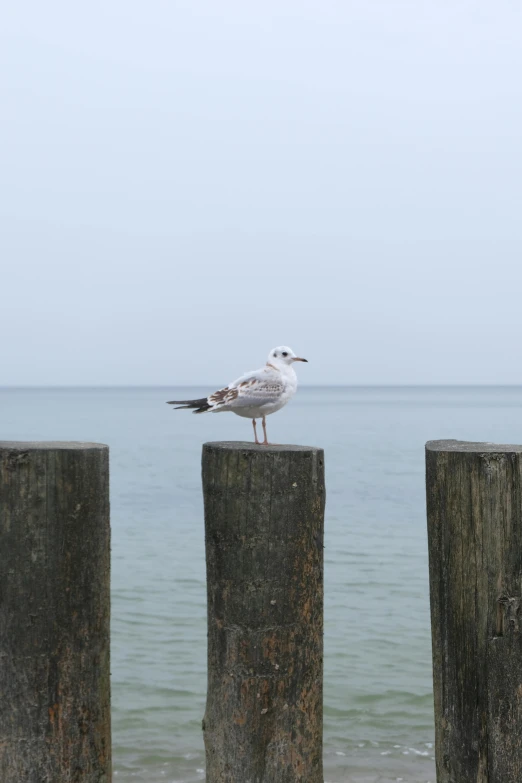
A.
x: 378, y: 703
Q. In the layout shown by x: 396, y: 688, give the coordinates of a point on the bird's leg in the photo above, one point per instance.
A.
x: 265, y: 442
x: 255, y: 431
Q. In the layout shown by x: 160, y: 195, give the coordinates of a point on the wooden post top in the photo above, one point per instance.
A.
x: 239, y: 445
x: 49, y: 445
x: 464, y: 446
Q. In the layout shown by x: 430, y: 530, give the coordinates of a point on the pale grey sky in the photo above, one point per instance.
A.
x: 185, y: 185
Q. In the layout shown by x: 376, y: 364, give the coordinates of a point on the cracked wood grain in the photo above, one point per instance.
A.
x: 474, y: 503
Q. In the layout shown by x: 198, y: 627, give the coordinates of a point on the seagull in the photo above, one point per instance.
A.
x: 256, y: 394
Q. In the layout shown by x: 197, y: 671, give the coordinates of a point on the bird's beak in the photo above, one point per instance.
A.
x: 298, y: 359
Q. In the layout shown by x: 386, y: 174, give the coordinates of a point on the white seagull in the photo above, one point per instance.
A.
x: 256, y: 394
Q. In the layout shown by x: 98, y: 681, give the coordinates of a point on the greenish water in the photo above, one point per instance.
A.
x: 378, y: 700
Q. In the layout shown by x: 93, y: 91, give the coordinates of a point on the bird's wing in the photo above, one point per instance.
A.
x: 250, y: 390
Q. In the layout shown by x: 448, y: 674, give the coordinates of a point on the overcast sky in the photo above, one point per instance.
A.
x: 184, y: 185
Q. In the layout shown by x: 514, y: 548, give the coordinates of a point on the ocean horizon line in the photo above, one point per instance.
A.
x: 106, y: 386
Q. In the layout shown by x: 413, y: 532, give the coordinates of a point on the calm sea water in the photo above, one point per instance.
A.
x: 378, y: 697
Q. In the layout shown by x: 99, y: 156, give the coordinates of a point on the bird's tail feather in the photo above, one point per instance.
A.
x: 200, y: 405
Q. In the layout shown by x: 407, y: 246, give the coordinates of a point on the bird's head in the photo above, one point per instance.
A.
x: 283, y: 355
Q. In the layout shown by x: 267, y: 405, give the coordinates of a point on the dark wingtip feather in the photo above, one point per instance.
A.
x: 202, y: 405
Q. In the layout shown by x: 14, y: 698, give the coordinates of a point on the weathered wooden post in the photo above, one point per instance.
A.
x: 264, y: 522
x: 474, y: 497
x: 54, y: 613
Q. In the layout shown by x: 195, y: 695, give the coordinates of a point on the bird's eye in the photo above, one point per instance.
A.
x: 285, y: 353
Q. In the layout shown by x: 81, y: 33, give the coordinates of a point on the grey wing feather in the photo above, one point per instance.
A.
x: 258, y: 388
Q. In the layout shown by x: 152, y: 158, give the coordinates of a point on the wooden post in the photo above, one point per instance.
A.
x: 264, y: 522
x: 54, y: 613
x: 474, y: 496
